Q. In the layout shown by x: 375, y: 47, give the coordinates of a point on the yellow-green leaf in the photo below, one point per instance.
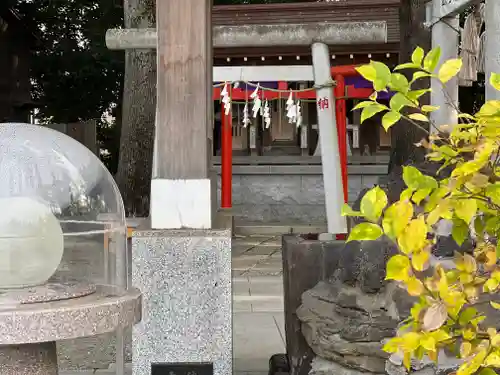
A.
x: 495, y: 305
x: 393, y: 345
x: 470, y: 366
x: 369, y: 112
x: 466, y: 116
x: 415, y: 179
x: 491, y: 285
x: 465, y: 209
x: 382, y: 75
x: 467, y: 315
x: 367, y: 71
x: 414, y: 95
x: 460, y: 231
x: 490, y: 108
x: 414, y: 286
x: 493, y: 360
x: 365, y: 232
x: 414, y: 236
x: 465, y: 349
x: 420, y: 195
x: 398, y: 268
x: 399, y: 101
x: 495, y: 81
x: 418, y: 117
x: 364, y: 104
x: 411, y: 341
x: 449, y: 69
x: 406, y: 194
x: 396, y: 218
x: 399, y: 83
x: 412, y: 177
x: 431, y: 60
x: 348, y: 211
x: 407, y: 66
x: 429, y: 108
x: 418, y: 75
x: 493, y: 192
x: 487, y: 371
x: 417, y: 56
x: 373, y: 203
x: 420, y: 260
x: 390, y: 118
x: 428, y: 343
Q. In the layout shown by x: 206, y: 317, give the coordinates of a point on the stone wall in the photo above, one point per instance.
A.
x: 290, y: 193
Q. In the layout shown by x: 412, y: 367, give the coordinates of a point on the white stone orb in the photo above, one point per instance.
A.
x: 31, y: 243
x: 61, y: 213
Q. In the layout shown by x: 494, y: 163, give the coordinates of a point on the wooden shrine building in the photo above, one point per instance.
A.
x: 282, y: 136
x: 277, y: 168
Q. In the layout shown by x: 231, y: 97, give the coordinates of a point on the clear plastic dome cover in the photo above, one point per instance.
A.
x: 62, y: 215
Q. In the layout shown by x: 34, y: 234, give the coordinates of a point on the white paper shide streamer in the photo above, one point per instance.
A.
x: 246, y: 118
x: 257, y: 103
x: 291, y: 109
x: 226, y: 100
x: 266, y: 115
x: 298, y: 120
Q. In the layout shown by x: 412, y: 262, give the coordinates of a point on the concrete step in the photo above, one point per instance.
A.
x: 277, y: 229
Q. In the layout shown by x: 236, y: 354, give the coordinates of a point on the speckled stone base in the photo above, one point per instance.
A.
x: 108, y: 309
x: 29, y: 359
x: 54, y: 290
x: 185, y: 280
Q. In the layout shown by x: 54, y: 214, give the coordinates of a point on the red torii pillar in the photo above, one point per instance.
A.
x: 226, y: 158
x: 338, y: 73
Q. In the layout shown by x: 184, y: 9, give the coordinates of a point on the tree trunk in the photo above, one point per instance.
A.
x: 139, y: 110
x: 412, y: 16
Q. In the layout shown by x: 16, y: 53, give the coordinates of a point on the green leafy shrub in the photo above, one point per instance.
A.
x: 445, y: 314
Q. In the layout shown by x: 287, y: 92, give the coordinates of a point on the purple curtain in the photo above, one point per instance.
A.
x: 361, y: 83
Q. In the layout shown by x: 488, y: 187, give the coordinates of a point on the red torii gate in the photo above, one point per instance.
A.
x: 341, y: 92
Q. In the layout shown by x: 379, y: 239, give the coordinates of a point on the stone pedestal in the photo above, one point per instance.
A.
x: 29, y: 359
x: 38, y: 317
x: 306, y: 261
x: 185, y: 277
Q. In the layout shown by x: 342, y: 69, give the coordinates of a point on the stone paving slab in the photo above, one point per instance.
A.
x: 242, y: 250
x: 251, y: 351
x: 129, y: 372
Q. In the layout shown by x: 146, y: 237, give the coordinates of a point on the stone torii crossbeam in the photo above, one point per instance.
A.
x: 181, y: 189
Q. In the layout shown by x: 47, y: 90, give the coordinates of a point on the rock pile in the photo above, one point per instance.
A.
x: 346, y: 319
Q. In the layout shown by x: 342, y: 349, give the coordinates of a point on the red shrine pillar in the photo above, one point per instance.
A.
x: 226, y: 158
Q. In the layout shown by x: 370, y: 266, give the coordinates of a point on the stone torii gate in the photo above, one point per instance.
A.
x: 181, y: 190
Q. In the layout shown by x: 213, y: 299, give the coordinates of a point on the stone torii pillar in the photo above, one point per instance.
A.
x: 180, y: 194
x: 492, y: 48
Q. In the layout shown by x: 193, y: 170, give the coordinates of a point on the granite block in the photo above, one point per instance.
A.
x: 271, y: 189
x: 313, y: 191
x: 275, y: 197
x: 185, y: 277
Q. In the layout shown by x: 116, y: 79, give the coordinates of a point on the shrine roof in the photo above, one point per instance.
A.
x: 310, y: 12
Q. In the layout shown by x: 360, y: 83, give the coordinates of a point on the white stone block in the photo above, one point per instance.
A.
x: 179, y: 204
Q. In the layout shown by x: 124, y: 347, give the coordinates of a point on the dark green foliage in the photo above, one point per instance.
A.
x: 75, y: 77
